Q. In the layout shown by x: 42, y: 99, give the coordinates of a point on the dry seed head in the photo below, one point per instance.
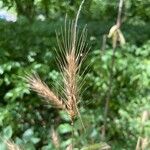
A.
x: 72, y: 66
x: 43, y: 90
x: 71, y: 46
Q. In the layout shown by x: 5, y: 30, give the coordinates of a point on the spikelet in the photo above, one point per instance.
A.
x: 43, y: 90
x: 70, y: 82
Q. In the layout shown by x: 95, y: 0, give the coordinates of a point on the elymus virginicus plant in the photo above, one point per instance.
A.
x: 72, y: 51
x: 71, y: 47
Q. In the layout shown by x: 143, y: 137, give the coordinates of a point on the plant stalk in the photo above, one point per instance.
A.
x: 109, y: 91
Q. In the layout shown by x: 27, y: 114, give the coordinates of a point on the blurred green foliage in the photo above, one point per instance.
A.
x: 28, y: 46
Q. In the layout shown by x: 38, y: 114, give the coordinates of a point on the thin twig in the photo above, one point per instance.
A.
x: 104, y: 42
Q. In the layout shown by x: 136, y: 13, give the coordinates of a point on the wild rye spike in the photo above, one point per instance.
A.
x: 71, y: 68
x: 70, y: 46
